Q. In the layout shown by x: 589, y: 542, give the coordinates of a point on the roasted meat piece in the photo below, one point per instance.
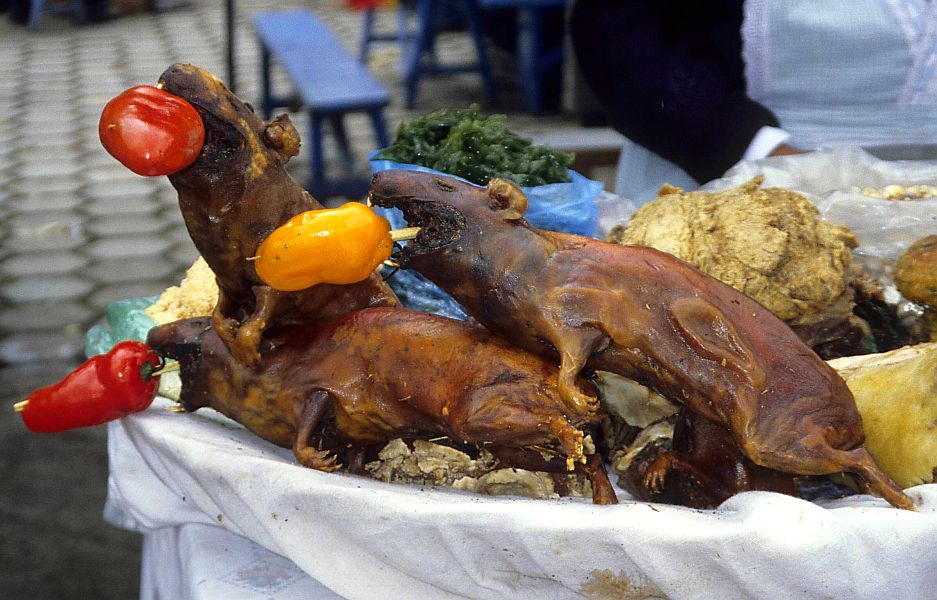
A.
x: 916, y: 278
x: 377, y: 374
x: 637, y: 312
x: 232, y: 197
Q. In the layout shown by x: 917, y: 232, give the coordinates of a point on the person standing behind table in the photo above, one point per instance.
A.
x: 698, y: 86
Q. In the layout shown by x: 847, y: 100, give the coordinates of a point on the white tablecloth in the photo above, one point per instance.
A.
x: 180, y: 477
x: 207, y: 562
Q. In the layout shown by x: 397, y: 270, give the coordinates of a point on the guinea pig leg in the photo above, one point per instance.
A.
x: 812, y: 454
x: 602, y: 490
x: 246, y: 349
x: 355, y: 459
x: 860, y: 462
x: 575, y: 345
x: 309, y: 413
x: 706, y: 451
x: 570, y: 439
x: 656, y: 475
x: 224, y: 325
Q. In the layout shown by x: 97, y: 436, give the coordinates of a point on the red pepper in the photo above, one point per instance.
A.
x: 104, y: 388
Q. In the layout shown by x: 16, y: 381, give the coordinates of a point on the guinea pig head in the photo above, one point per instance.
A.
x: 453, y: 216
x: 183, y: 341
x: 239, y: 145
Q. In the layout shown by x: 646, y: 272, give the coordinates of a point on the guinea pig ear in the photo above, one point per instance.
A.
x: 505, y: 196
x: 281, y: 137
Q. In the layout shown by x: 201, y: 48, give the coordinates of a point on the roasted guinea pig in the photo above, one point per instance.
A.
x: 383, y: 373
x: 232, y: 197
x: 637, y: 312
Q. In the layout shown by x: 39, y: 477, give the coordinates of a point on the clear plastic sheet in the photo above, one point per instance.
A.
x: 833, y: 178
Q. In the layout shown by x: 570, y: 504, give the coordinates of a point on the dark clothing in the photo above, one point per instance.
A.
x: 96, y: 11
x: 670, y: 76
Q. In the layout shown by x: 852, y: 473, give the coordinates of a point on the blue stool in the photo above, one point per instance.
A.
x: 421, y: 60
x: 402, y: 37
x: 75, y: 8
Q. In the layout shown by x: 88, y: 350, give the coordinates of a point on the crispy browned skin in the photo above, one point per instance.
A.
x: 232, y: 197
x: 637, y: 312
x: 378, y: 374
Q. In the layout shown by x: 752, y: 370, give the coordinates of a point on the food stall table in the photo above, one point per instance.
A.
x: 365, y: 539
x: 205, y: 562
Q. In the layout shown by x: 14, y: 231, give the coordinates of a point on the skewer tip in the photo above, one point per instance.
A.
x: 405, y: 233
x: 167, y: 368
x: 20, y: 406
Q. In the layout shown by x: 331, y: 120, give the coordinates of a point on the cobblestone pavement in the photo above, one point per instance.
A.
x: 80, y: 231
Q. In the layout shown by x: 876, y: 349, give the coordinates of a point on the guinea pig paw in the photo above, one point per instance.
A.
x: 656, y: 475
x: 320, y: 460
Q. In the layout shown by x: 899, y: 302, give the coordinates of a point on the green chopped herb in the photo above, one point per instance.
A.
x: 465, y: 143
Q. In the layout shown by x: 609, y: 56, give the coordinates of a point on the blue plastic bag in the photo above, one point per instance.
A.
x: 126, y: 320
x: 568, y: 207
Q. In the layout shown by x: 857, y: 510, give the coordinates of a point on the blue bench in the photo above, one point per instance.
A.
x: 328, y: 80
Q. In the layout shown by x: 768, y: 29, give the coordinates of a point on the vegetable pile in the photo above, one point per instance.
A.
x: 465, y: 143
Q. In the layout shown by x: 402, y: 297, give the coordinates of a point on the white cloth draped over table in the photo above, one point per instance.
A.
x: 835, y: 73
x: 178, y: 478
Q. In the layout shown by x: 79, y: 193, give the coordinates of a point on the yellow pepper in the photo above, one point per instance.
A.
x: 332, y: 245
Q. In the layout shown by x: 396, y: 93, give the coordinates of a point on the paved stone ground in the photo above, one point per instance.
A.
x: 79, y: 231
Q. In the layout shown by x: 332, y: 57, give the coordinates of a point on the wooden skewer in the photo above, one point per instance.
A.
x: 407, y: 233
x: 396, y: 235
x: 167, y: 368
x: 20, y: 406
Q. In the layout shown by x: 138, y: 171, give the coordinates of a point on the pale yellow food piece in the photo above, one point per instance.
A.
x: 427, y: 464
x: 769, y: 244
x: 896, y: 393
x: 632, y: 402
x: 434, y: 464
x: 196, y: 296
x: 900, y: 192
